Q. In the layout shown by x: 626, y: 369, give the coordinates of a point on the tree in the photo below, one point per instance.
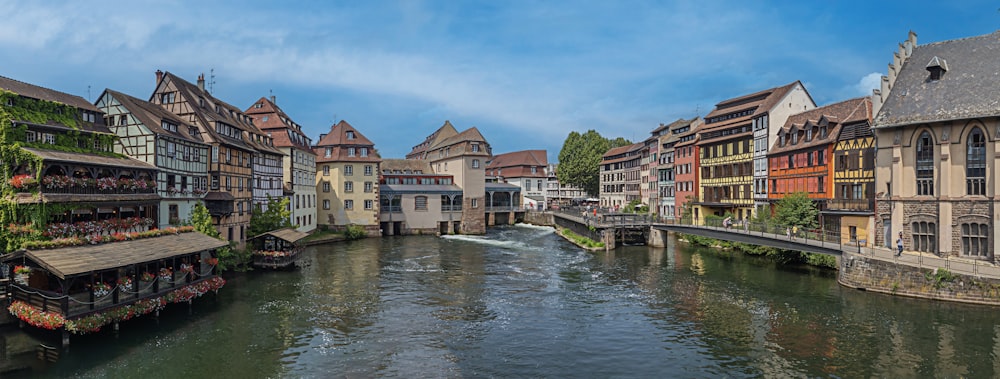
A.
x: 797, y: 209
x: 202, y: 221
x: 275, y: 217
x: 580, y: 159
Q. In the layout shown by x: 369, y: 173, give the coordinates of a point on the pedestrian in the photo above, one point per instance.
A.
x: 899, y: 244
x: 788, y: 232
x: 795, y: 231
x: 726, y: 222
x: 746, y: 224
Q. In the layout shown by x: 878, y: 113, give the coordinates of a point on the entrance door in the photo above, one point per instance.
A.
x: 887, y: 225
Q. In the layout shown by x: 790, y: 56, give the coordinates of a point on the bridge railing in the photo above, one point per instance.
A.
x: 773, y: 230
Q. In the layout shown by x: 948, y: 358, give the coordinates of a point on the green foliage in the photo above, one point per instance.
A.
x: 202, y: 221
x: 687, y: 210
x: 276, y: 216
x: 355, y: 232
x: 636, y: 206
x: 940, y: 276
x: 580, y: 240
x: 821, y: 260
x: 580, y: 159
x: 229, y: 257
x: 762, y: 215
x: 797, y: 209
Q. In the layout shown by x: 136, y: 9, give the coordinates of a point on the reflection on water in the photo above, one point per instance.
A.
x: 521, y: 302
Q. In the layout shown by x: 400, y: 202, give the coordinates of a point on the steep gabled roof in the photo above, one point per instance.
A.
x: 42, y: 93
x: 755, y: 103
x: 152, y: 116
x: 967, y: 89
x: 337, y: 140
x: 273, y: 121
x: 470, y: 134
x: 445, y: 131
x: 835, y: 116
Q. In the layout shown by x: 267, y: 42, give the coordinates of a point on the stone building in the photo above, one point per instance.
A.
x: 936, y: 157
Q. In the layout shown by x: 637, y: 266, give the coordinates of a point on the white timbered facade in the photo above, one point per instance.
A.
x: 150, y: 134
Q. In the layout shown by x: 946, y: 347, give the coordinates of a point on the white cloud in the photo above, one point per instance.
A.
x: 868, y: 83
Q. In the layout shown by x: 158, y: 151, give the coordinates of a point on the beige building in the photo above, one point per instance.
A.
x: 298, y: 162
x: 936, y: 134
x: 621, y: 176
x: 463, y: 156
x: 347, y: 168
x: 415, y: 200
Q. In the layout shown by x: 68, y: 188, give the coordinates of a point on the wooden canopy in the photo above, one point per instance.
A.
x: 74, y: 260
x: 286, y: 234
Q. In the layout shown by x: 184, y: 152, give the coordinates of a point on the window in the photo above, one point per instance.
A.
x: 30, y: 136
x: 853, y: 230
x: 229, y: 184
x: 924, y: 237
x: 475, y: 147
x: 326, y: 186
x: 475, y: 203
x: 348, y: 204
x: 350, y: 134
x: 539, y: 186
x: 364, y: 151
x: 326, y: 204
x: 326, y: 170
x: 328, y: 152
x: 348, y: 170
x: 49, y: 138
x: 368, y: 170
x: 171, y: 149
x: 173, y: 214
x: 369, y: 204
x: 167, y: 98
x: 348, y: 186
x: 420, y: 203
x: 975, y: 163
x: 215, y: 182
x: 169, y: 126
x: 475, y: 164
x: 350, y: 151
x: 925, y: 164
x: 369, y: 187
x: 975, y: 240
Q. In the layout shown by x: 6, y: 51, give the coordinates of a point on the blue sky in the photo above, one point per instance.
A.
x: 526, y: 73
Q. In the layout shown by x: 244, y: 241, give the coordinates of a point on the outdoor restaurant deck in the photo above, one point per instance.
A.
x: 277, y: 249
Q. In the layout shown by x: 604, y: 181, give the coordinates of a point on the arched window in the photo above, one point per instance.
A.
x: 975, y: 163
x: 975, y: 239
x: 925, y: 164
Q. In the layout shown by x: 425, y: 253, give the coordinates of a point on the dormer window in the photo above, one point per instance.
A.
x: 795, y: 137
x: 350, y: 134
x: 937, y: 67
x: 168, y: 126
x: 809, y: 135
x: 822, y: 132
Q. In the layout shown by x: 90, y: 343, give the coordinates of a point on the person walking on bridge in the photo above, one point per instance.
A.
x: 899, y: 244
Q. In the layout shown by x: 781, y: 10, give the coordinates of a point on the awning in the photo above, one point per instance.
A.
x: 286, y: 234
x: 69, y: 261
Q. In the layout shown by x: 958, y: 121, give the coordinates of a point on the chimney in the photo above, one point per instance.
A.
x: 273, y: 100
x: 201, y: 81
x: 159, y: 77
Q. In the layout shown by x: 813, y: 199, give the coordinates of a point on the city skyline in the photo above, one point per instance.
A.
x: 518, y: 71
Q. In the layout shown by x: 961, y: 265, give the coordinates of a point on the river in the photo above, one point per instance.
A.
x: 521, y: 302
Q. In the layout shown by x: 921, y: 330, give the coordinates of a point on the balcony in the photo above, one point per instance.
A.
x: 68, y: 185
x: 851, y: 205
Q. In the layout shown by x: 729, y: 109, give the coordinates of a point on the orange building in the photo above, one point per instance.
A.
x: 801, y: 160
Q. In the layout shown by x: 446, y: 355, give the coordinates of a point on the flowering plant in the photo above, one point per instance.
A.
x: 146, y: 277
x: 20, y: 229
x: 212, y: 261
x: 101, y: 289
x: 23, y: 181
x: 172, y: 190
x: 198, y: 191
x: 107, y: 183
x: 166, y: 274
x: 125, y: 283
x: 57, y: 181
x: 186, y: 267
x: 22, y: 270
x: 272, y: 253
x: 36, y: 317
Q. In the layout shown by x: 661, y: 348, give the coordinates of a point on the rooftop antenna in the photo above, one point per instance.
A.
x: 88, y: 93
x: 211, y: 81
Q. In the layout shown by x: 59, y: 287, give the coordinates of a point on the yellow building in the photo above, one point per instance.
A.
x: 347, y: 168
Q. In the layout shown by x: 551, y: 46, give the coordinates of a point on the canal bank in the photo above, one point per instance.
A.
x: 870, y: 274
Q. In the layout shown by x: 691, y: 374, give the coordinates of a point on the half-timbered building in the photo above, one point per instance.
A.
x: 298, y: 161
x: 230, y: 162
x: 802, y: 159
x: 64, y: 178
x: 733, y: 139
x: 149, y: 133
x: 852, y: 206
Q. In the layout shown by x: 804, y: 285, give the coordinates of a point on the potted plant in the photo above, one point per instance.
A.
x: 166, y: 274
x: 146, y: 277
x: 101, y: 289
x: 125, y: 283
x: 21, y: 274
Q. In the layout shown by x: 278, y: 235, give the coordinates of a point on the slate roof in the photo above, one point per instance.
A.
x: 413, y: 165
x: 966, y: 90
x: 152, y: 116
x: 836, y: 115
x: 608, y: 157
x: 445, y: 131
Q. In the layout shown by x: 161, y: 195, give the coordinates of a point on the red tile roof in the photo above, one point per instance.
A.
x: 273, y: 121
x: 339, y: 142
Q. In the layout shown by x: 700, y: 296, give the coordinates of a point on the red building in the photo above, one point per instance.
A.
x: 686, y: 171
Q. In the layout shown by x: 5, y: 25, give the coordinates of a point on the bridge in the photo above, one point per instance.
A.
x: 812, y: 241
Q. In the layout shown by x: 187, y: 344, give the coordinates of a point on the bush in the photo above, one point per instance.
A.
x: 355, y: 232
x: 580, y: 239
